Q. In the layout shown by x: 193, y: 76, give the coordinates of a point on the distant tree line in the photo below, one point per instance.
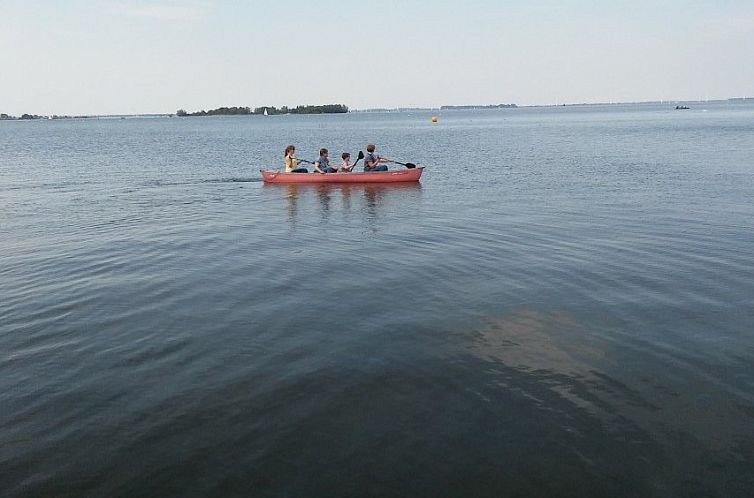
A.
x: 36, y: 116
x: 220, y: 111
x: 24, y: 116
x: 310, y: 109
x: 241, y: 111
x: 492, y: 106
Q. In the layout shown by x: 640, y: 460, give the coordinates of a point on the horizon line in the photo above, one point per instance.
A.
x: 399, y: 108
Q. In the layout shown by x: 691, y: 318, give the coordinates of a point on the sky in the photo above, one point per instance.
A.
x: 156, y: 56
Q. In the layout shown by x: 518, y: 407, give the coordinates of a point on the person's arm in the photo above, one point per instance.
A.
x: 316, y: 167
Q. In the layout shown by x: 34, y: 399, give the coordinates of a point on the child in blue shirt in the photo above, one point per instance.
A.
x: 373, y: 162
x: 322, y: 165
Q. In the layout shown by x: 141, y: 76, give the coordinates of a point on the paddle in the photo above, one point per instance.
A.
x: 408, y: 165
x: 361, y: 156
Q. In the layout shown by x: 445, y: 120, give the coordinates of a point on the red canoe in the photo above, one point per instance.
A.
x: 406, y: 175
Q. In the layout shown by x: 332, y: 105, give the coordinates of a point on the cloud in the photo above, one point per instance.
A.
x: 187, y: 11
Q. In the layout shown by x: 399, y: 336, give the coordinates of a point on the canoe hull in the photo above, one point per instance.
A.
x: 397, y: 176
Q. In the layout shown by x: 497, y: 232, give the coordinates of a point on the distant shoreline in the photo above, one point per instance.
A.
x: 31, y: 117
x: 267, y: 110
x: 271, y: 110
x: 467, y: 107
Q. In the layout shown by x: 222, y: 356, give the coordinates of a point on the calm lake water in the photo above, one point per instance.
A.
x: 562, y: 307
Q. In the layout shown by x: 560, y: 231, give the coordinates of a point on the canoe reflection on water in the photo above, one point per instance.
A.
x: 327, y: 199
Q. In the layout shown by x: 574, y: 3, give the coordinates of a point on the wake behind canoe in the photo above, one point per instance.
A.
x: 398, y: 176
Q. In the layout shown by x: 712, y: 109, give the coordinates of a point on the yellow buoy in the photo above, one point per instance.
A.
x: 434, y: 119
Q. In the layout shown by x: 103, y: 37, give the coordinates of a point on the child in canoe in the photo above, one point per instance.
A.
x: 372, y: 161
x: 346, y: 167
x: 322, y: 165
x: 291, y: 162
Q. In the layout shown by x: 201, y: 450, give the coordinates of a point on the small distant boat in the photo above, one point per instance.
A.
x: 265, y: 111
x: 680, y: 107
x: 397, y: 176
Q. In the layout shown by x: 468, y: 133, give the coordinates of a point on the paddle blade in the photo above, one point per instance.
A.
x: 361, y: 156
x: 410, y: 165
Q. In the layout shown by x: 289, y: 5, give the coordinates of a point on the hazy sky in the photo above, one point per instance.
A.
x: 121, y: 56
